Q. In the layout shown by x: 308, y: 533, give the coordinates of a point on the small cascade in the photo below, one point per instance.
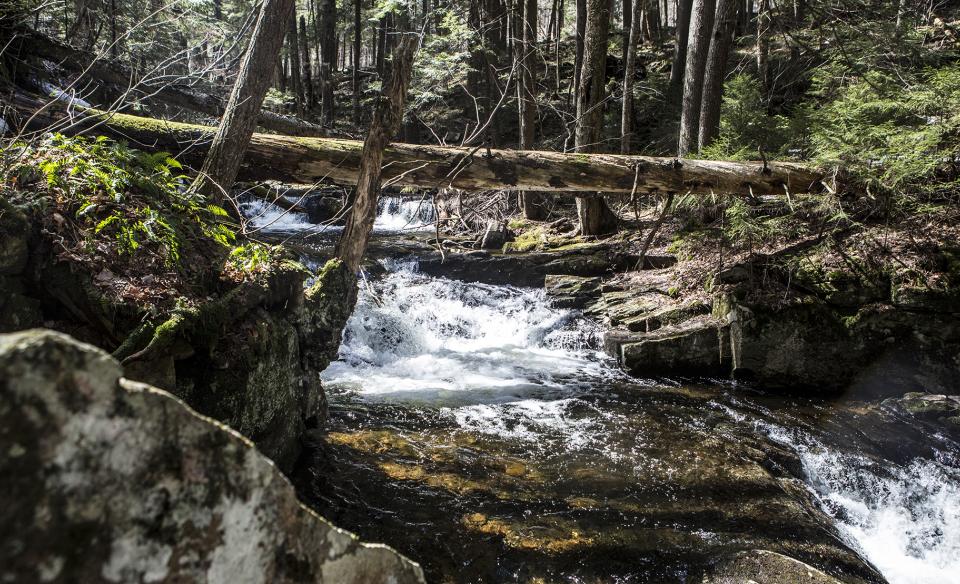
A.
x: 394, y: 215
x: 403, y: 214
x: 412, y: 332
x: 904, y: 518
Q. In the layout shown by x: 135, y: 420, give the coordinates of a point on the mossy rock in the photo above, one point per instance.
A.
x: 14, y: 238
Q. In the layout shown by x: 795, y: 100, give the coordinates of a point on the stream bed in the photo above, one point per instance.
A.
x: 482, y: 432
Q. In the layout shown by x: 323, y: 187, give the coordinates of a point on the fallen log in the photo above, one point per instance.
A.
x: 193, y: 97
x: 310, y: 160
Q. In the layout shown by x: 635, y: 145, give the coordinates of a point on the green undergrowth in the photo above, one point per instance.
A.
x: 128, y: 218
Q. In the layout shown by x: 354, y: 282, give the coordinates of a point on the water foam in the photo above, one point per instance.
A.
x: 403, y: 214
x: 415, y: 333
x: 394, y: 214
x: 905, y: 519
x: 269, y: 218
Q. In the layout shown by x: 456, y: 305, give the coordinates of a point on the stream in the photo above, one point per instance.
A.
x: 483, y: 433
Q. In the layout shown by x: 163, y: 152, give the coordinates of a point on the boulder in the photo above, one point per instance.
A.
x: 109, y: 480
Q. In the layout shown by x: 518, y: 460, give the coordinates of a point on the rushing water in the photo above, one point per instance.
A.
x: 394, y: 214
x: 482, y: 432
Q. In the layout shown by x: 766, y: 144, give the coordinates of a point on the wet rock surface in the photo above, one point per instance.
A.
x: 117, y: 481
x: 802, y: 342
x: 654, y: 485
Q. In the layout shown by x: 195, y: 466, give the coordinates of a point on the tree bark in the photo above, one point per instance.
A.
x: 293, y: 50
x: 626, y: 112
x: 230, y: 142
x: 595, y: 216
x: 328, y: 58
x: 309, y: 160
x: 723, y: 27
x: 701, y: 28
x: 680, y: 49
x: 357, y: 38
x: 385, y: 124
x: 581, y: 29
x: 307, y: 68
x: 532, y: 203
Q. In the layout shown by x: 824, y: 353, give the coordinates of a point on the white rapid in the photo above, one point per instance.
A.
x: 500, y: 362
x: 394, y: 215
x: 414, y: 336
x: 904, y: 518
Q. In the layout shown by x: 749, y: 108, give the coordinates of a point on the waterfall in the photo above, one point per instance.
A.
x: 904, y: 518
x: 394, y: 214
x: 415, y: 332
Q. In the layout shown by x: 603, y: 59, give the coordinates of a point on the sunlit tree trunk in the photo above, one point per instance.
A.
x: 595, y: 216
x: 701, y: 29
x: 716, y: 69
x: 230, y: 143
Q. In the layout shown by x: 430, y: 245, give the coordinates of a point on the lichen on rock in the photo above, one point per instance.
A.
x: 117, y: 481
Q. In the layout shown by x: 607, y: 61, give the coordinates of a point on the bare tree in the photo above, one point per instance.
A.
x: 680, y: 48
x: 626, y: 116
x: 532, y: 203
x: 383, y: 127
x: 229, y: 144
x: 723, y: 27
x: 595, y: 216
x: 701, y: 28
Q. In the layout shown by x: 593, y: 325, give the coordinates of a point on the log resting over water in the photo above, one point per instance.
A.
x: 309, y: 160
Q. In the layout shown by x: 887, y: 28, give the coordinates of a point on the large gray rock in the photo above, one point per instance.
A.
x: 108, y: 480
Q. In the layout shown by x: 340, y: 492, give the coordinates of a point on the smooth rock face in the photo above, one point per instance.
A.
x: 766, y: 567
x: 108, y: 480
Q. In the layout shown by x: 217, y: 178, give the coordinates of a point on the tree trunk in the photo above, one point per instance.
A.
x: 307, y: 68
x: 595, y: 216
x: 293, y: 50
x: 383, y: 127
x: 309, y: 160
x: 581, y: 28
x: 556, y: 48
x: 723, y: 27
x: 701, y: 29
x: 328, y: 58
x: 625, y: 29
x: 763, y: 45
x: 532, y: 203
x: 680, y: 49
x: 357, y: 38
x: 626, y: 115
x: 229, y: 144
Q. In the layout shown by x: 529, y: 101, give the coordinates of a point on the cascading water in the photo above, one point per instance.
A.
x: 467, y: 411
x: 902, y: 516
x: 481, y: 431
x: 416, y: 334
x: 394, y: 214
